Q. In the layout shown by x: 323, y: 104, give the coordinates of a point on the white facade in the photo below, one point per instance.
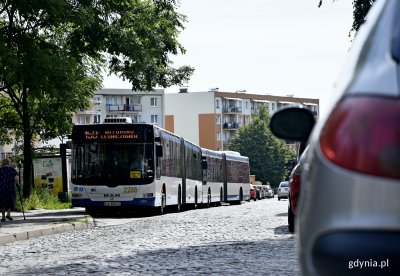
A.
x: 186, y: 107
x: 141, y: 107
x: 219, y: 115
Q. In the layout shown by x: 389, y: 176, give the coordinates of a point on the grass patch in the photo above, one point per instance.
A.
x: 41, y: 199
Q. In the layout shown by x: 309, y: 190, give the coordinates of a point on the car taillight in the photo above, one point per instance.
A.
x: 294, y: 190
x: 363, y: 134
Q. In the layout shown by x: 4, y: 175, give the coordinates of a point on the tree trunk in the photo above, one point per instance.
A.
x: 27, y: 151
x: 27, y: 175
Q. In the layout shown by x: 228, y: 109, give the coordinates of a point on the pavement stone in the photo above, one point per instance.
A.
x: 43, y: 222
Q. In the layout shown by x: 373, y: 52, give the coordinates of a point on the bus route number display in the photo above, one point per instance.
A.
x: 110, y: 135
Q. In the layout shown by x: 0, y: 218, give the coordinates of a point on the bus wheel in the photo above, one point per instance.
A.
x: 163, y: 203
x: 179, y: 203
x: 195, y: 198
x: 208, y: 199
x: 90, y: 211
x: 221, y: 198
x: 240, y: 196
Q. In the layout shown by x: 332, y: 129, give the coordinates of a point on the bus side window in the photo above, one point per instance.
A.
x: 159, y: 151
x: 159, y: 154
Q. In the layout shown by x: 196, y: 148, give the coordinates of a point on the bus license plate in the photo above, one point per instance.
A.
x: 112, y: 203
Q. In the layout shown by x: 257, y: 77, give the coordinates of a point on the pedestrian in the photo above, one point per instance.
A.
x: 8, y: 182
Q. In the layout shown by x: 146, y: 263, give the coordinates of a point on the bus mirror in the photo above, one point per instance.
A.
x: 150, y: 174
x: 204, y: 164
x: 159, y: 151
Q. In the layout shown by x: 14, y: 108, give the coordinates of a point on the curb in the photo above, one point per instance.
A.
x: 46, y: 230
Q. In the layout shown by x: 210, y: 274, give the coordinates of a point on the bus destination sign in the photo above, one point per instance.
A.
x: 110, y: 135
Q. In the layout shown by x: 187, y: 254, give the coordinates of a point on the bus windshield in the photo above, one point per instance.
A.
x: 113, y: 164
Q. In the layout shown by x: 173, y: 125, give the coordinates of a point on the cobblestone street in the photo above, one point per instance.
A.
x: 248, y: 239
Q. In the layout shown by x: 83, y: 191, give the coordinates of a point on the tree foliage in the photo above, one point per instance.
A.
x: 360, y: 10
x: 52, y: 54
x: 267, y: 154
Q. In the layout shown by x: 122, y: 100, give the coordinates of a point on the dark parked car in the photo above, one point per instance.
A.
x: 349, y: 207
x: 294, y: 191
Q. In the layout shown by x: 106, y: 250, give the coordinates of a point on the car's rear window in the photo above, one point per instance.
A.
x: 284, y: 184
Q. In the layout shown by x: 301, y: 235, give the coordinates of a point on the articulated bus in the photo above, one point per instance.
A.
x: 173, y: 171
x: 226, y: 178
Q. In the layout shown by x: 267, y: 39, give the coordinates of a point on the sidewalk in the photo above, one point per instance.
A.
x: 43, y: 222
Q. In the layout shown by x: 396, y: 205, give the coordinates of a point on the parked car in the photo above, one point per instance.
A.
x: 261, y: 192
x: 349, y: 205
x: 283, y: 190
x: 269, y: 193
x: 294, y: 191
x: 253, y: 194
x: 257, y: 188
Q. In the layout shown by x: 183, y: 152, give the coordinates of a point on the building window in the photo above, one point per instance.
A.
x: 96, y: 101
x: 135, y: 118
x: 218, y: 119
x: 154, y: 119
x: 218, y: 136
x: 7, y: 155
x: 153, y: 101
x: 136, y: 100
x: 96, y: 119
x: 84, y: 120
x: 247, y: 105
x: 111, y: 100
x: 217, y: 103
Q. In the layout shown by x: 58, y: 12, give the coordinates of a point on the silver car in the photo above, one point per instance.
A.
x: 283, y: 190
x: 269, y: 192
x: 349, y: 205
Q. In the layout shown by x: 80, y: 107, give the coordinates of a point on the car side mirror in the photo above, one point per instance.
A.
x: 292, y: 123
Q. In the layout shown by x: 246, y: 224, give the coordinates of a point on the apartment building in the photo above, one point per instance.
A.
x: 141, y: 107
x: 211, y: 119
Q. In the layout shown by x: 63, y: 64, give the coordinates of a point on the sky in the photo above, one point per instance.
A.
x: 275, y: 47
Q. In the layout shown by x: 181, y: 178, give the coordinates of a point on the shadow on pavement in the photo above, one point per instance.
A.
x: 230, y: 258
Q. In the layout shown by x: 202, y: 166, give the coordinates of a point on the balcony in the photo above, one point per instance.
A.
x: 232, y: 109
x: 87, y: 112
x: 227, y: 142
x: 232, y: 126
x: 123, y: 107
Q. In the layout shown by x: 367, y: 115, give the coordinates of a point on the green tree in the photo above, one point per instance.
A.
x: 52, y: 54
x: 360, y: 10
x: 267, y: 154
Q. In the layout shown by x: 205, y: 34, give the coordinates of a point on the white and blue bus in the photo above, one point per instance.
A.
x: 173, y: 171
x: 226, y: 178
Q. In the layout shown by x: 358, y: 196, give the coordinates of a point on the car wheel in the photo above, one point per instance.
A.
x: 291, y: 220
x: 279, y: 198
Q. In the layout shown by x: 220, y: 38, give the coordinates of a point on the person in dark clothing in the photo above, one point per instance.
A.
x: 8, y: 182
